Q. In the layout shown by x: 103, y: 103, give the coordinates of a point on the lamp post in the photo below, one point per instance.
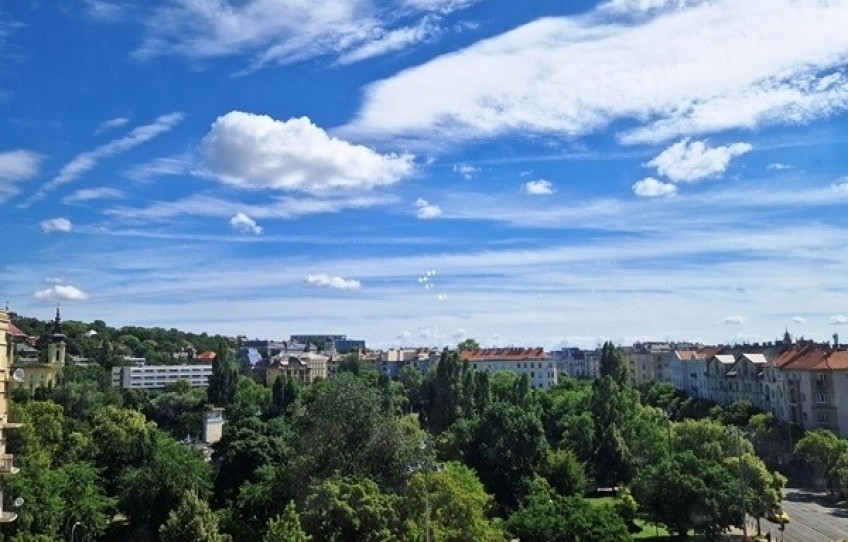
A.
x: 74, y: 531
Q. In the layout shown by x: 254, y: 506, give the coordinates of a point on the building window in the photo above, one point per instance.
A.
x: 823, y: 417
x: 821, y: 379
x: 821, y: 398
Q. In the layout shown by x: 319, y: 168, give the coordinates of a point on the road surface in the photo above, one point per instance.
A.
x: 813, y: 518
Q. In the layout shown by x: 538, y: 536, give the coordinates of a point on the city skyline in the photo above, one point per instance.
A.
x: 429, y: 171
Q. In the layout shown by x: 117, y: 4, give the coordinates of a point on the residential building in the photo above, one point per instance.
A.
x: 306, y: 367
x: 649, y: 361
x: 539, y: 367
x: 155, y: 377
x: 7, y: 464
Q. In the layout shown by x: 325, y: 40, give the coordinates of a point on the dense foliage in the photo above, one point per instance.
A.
x: 450, y: 456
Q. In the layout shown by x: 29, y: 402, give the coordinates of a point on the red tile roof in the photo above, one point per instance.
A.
x: 504, y: 354
x: 15, y: 331
x: 209, y: 355
x: 811, y: 357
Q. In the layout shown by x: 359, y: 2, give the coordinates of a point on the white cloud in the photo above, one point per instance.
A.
x: 256, y: 151
x: 85, y: 162
x: 244, y: 224
x: 324, y: 280
x: 61, y: 292
x: 466, y: 170
x: 838, y: 320
x: 88, y: 194
x: 16, y: 166
x: 56, y: 224
x: 426, y: 210
x: 798, y: 320
x: 578, y: 75
x: 271, y: 32
x: 778, y: 166
x: 841, y: 185
x: 734, y: 320
x: 111, y: 124
x: 650, y: 187
x: 690, y: 161
x: 538, y: 188
x: 169, y: 165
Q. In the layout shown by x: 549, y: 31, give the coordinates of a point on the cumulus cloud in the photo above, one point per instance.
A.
x: 16, y: 166
x: 798, y: 320
x: 650, y: 187
x: 841, y: 185
x: 61, y: 292
x: 467, y: 171
x: 324, y: 280
x: 244, y: 224
x: 88, y: 194
x: 426, y: 210
x: 838, y: 320
x: 256, y: 151
x: 540, y: 187
x: 690, y: 161
x: 734, y: 320
x: 56, y: 225
x: 85, y: 162
x: 580, y: 74
x: 276, y: 33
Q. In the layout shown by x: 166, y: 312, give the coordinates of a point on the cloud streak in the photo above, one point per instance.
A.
x: 577, y: 75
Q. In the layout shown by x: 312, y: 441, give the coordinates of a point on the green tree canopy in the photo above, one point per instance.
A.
x: 191, y: 521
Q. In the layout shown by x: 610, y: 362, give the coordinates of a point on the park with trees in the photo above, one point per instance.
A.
x: 450, y: 456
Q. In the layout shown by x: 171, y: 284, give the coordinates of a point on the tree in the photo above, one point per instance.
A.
x: 823, y: 451
x: 286, y: 527
x: 451, y: 502
x: 224, y: 379
x: 191, y: 521
x: 468, y: 344
x: 547, y: 517
x: 613, y: 364
x: 764, y: 489
x: 687, y: 492
x: 344, y: 509
x: 613, y: 407
x: 564, y: 473
x: 507, y: 448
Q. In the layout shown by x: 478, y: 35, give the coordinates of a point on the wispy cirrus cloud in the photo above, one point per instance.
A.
x: 578, y: 75
x: 177, y: 164
x: 257, y: 151
x: 270, y: 32
x: 85, y: 162
x: 111, y: 124
x: 89, y: 194
x: 16, y: 166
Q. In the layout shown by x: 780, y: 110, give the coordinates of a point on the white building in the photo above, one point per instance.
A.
x: 539, y: 367
x: 155, y: 377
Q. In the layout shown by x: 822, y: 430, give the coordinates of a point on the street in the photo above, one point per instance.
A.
x: 813, y: 518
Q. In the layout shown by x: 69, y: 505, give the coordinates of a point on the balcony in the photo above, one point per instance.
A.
x: 7, y: 465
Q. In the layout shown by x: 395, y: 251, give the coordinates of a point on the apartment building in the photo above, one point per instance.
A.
x: 155, y: 377
x: 539, y: 367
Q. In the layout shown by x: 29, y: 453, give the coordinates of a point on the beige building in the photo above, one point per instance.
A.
x: 7, y: 464
x: 539, y: 367
x: 649, y: 361
x: 306, y: 367
x: 46, y: 374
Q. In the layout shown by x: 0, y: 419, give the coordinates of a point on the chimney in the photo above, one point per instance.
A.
x: 836, y: 341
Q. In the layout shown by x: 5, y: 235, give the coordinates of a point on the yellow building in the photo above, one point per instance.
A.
x: 7, y: 465
x: 306, y: 367
x: 38, y: 374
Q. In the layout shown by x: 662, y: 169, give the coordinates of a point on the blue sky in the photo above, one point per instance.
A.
x: 414, y: 172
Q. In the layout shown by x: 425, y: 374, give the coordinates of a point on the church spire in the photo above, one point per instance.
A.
x: 56, y: 334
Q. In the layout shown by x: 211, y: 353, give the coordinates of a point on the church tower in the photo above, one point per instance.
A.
x: 56, y: 347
